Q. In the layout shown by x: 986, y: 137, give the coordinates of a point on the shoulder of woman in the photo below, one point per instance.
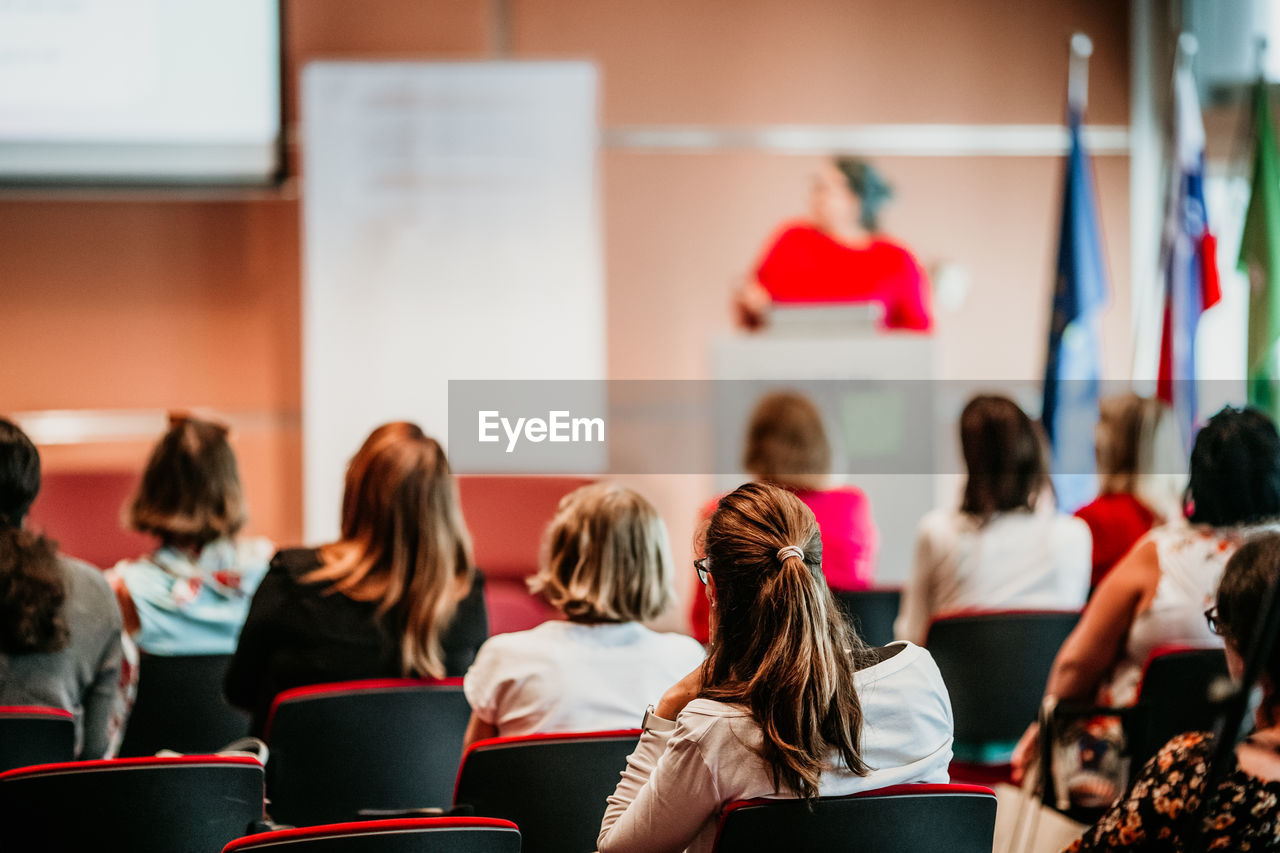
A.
x: 292, y: 563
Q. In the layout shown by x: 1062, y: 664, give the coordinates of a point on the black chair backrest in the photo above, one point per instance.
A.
x: 33, y: 735
x: 872, y: 612
x: 553, y: 787
x: 901, y: 819
x: 165, y: 805
x: 180, y: 706
x: 343, y: 751
x: 1175, y: 697
x: 414, y: 835
x: 995, y: 666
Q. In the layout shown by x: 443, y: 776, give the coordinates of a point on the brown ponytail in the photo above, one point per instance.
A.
x: 781, y: 645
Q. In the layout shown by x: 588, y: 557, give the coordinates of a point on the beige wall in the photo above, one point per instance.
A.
x: 162, y: 303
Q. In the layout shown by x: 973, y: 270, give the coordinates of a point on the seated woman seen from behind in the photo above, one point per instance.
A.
x: 1141, y: 472
x: 397, y: 596
x: 787, y: 446
x: 1005, y: 547
x: 60, y: 640
x: 606, y: 565
x: 1167, y: 807
x: 190, y: 596
x: 1156, y: 595
x: 789, y: 703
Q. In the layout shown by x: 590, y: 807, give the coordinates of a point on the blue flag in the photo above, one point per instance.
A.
x: 1073, y: 368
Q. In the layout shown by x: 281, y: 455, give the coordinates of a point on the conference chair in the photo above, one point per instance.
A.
x: 899, y: 819
x: 143, y: 805
x: 995, y: 665
x: 180, y: 706
x: 553, y: 786
x: 872, y: 612
x: 414, y: 835
x: 1181, y: 691
x: 34, y: 735
x: 355, y: 749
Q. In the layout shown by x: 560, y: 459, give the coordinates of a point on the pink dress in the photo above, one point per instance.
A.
x: 849, y: 543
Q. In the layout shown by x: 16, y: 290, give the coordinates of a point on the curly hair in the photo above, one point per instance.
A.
x: 31, y: 594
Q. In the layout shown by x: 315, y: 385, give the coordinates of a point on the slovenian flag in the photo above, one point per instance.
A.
x: 1188, y: 263
x: 1073, y: 367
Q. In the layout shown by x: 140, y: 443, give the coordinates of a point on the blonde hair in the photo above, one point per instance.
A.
x: 404, y: 543
x: 786, y: 442
x: 1139, y: 453
x: 781, y: 645
x: 190, y: 491
x: 605, y: 557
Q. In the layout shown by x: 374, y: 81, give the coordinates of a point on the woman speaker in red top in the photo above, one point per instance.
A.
x: 839, y: 256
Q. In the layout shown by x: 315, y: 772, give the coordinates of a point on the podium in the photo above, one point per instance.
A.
x: 877, y: 396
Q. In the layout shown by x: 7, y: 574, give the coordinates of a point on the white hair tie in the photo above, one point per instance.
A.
x: 790, y: 551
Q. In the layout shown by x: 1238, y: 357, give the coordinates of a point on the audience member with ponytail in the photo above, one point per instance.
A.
x: 60, y: 627
x: 397, y: 595
x: 789, y: 703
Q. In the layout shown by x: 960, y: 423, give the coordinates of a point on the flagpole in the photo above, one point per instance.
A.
x: 1078, y: 73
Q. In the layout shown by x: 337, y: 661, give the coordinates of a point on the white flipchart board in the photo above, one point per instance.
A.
x: 451, y: 231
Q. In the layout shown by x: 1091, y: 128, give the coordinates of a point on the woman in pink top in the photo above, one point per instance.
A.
x: 787, y: 446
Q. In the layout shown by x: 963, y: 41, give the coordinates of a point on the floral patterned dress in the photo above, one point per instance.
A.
x: 1244, y: 814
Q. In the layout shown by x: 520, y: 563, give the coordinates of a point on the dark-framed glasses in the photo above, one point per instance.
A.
x: 1211, y: 617
x: 700, y: 566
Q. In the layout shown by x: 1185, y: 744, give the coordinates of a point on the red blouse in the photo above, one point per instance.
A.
x: 1117, y: 522
x: 805, y: 265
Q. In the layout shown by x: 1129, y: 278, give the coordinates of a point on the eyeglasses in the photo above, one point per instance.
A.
x: 1211, y: 617
x: 700, y: 566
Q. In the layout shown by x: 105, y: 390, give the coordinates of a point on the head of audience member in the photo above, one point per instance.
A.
x: 779, y: 643
x: 1004, y: 455
x: 1235, y: 470
x: 31, y: 590
x: 605, y: 557
x: 1139, y: 453
x: 786, y: 443
x: 1250, y: 573
x: 404, y: 543
x: 190, y: 492
x: 847, y: 196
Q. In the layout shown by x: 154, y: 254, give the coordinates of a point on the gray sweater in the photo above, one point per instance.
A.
x: 83, y: 677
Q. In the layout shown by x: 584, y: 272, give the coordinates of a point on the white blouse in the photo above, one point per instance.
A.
x: 1015, y: 560
x: 678, y: 781
x: 573, y: 677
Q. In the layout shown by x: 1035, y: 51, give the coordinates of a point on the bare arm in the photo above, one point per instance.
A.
x: 1098, y: 640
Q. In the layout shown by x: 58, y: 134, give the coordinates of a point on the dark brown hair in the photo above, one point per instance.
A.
x: 786, y: 443
x: 780, y: 644
x: 1250, y: 572
x: 1235, y: 470
x: 404, y: 543
x: 1004, y: 455
x: 190, y: 491
x: 31, y: 586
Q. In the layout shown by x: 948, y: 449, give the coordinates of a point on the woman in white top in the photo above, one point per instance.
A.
x: 1157, y: 594
x: 1001, y: 549
x: 606, y: 564
x: 789, y: 703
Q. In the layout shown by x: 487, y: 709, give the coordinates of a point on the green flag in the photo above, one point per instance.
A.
x: 1260, y: 257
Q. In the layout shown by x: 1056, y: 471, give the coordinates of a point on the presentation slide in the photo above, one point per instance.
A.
x: 139, y: 91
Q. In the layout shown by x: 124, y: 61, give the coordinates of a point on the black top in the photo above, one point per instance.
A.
x: 300, y: 633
